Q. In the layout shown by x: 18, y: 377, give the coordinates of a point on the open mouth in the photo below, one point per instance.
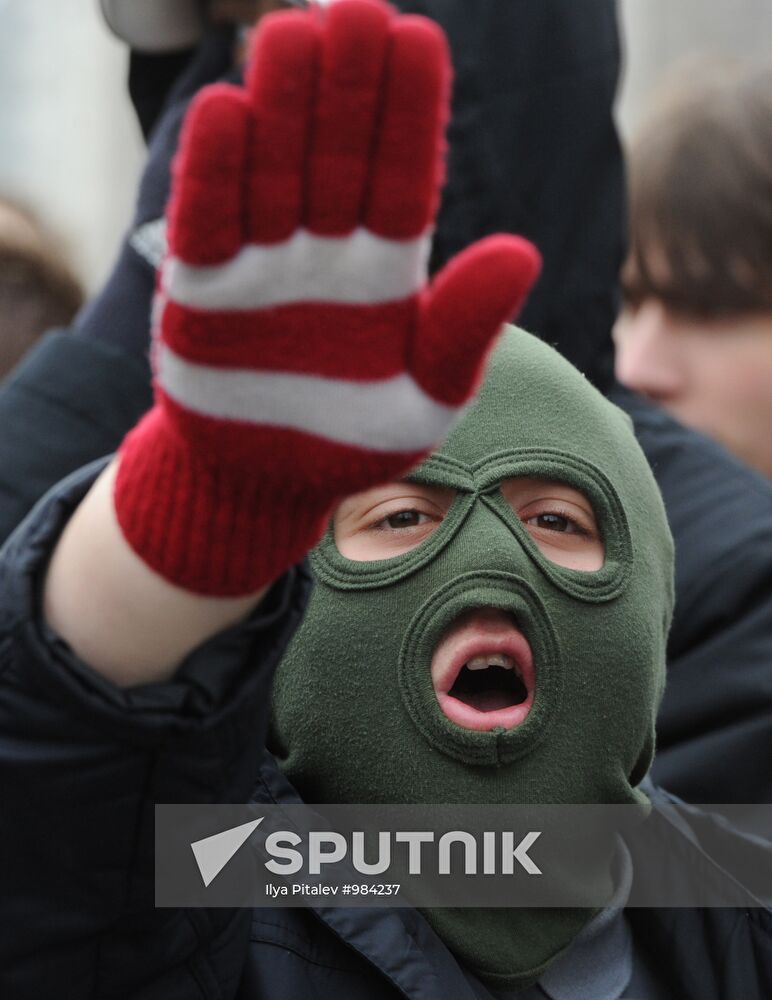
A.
x: 482, y: 671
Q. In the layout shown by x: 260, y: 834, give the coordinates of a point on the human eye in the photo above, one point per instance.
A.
x: 403, y: 519
x: 631, y: 285
x: 559, y: 520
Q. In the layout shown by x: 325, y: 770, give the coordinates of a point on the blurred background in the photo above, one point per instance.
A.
x: 71, y: 150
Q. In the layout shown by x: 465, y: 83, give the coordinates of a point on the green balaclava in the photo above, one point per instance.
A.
x: 355, y: 715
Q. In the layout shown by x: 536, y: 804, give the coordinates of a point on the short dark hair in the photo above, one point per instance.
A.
x: 701, y: 194
x: 38, y: 288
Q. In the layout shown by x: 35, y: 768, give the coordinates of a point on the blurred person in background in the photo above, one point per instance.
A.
x: 38, y: 288
x: 695, y: 333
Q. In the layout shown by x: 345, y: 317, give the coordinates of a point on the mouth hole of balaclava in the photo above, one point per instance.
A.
x: 489, y: 684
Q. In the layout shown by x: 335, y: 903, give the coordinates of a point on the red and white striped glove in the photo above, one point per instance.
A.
x: 299, y: 353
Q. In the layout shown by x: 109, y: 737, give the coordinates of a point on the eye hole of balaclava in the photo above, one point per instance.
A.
x: 396, y: 518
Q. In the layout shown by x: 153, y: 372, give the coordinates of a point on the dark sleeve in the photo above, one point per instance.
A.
x: 534, y: 150
x: 69, y: 402
x: 715, y: 723
x: 82, y: 764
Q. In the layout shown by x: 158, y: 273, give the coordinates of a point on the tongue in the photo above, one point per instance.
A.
x: 486, y: 701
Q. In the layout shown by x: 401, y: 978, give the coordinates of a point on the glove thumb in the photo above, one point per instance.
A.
x: 464, y: 309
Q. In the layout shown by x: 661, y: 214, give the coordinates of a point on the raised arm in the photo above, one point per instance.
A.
x: 299, y: 353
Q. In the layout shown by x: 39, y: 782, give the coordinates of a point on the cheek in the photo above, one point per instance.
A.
x: 733, y: 372
x: 352, y: 545
x: 730, y: 394
x: 585, y: 556
x: 351, y: 548
x: 374, y: 546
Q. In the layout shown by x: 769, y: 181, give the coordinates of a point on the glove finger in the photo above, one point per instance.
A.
x: 206, y: 206
x: 280, y: 81
x: 354, y: 46
x: 407, y: 165
x: 463, y: 311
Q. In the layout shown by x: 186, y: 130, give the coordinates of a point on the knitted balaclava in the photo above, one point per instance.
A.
x: 356, y: 718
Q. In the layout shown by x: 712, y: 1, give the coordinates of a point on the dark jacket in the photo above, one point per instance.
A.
x: 82, y: 764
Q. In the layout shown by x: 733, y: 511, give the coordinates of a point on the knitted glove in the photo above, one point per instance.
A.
x: 299, y: 354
